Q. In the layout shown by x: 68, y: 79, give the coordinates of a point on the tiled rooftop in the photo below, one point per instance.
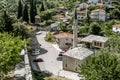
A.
x: 79, y: 53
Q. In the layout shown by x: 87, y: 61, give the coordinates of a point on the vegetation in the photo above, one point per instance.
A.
x: 9, y: 52
x: 49, y: 37
x: 25, y: 14
x: 101, y: 66
x: 32, y: 11
x: 20, y: 9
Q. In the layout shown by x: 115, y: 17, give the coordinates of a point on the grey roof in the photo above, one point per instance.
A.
x: 92, y: 38
x: 54, y: 25
x: 79, y: 53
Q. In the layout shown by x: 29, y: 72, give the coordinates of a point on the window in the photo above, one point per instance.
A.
x: 72, y: 40
x: 100, y: 44
x: 65, y: 65
x: 76, y: 68
x: 66, y: 39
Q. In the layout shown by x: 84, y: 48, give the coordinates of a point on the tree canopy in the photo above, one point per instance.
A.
x: 10, y: 48
x: 101, y: 66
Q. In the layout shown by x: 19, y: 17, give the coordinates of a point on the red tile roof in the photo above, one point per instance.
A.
x: 64, y: 34
x: 117, y: 25
x: 97, y: 10
x: 58, y: 16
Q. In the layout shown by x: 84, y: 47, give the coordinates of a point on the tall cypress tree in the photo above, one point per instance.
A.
x: 42, y: 7
x: 35, y: 8
x: 19, y: 9
x: 7, y: 21
x: 25, y: 14
x: 32, y: 14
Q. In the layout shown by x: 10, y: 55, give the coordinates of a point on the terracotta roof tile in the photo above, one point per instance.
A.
x: 97, y: 10
x: 58, y: 16
x: 64, y: 34
x: 117, y: 25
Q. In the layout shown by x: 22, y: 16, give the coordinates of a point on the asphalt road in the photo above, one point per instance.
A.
x: 49, y: 54
x: 50, y: 63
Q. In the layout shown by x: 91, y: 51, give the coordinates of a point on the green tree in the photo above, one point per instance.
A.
x: 25, y: 14
x: 7, y: 22
x: 95, y: 29
x: 35, y: 8
x: 115, y: 14
x: 19, y: 10
x: 101, y: 66
x: 113, y: 44
x: 42, y: 7
x: 9, y: 53
x: 20, y: 30
x: 32, y: 13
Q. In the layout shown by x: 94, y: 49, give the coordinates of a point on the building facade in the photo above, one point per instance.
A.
x: 75, y: 57
x: 116, y: 28
x: 98, y: 14
x: 94, y: 41
x: 64, y: 40
x: 93, y: 1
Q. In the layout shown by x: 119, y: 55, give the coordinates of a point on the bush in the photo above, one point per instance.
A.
x: 49, y: 37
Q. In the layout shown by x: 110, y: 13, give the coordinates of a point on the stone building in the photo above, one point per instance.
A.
x: 75, y: 57
x: 94, y: 41
x: 64, y: 40
x: 37, y: 19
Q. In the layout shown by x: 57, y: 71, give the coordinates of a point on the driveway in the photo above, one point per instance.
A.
x: 51, y: 63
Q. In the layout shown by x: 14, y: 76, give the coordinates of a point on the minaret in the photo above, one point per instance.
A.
x: 75, y: 29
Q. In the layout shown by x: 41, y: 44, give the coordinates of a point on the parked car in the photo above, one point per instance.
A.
x: 60, y: 54
x: 38, y: 60
x: 35, y: 52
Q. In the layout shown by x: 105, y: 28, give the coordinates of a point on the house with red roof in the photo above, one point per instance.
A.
x: 116, y: 28
x: 64, y: 40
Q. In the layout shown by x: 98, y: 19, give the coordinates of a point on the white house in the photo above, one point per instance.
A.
x: 94, y: 41
x: 93, y: 1
x: 81, y: 14
x: 116, y: 28
x: 64, y: 40
x: 98, y: 14
x: 82, y: 6
x: 54, y: 26
x: 75, y: 57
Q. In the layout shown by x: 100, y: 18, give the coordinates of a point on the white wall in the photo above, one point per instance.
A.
x: 116, y: 29
x: 98, y: 15
x: 92, y: 1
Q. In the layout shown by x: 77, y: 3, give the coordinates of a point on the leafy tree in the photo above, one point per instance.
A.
x: 42, y: 7
x: 32, y: 13
x: 20, y: 30
x: 113, y: 44
x: 9, y: 52
x: 101, y: 66
x: 7, y: 22
x: 95, y: 29
x: 19, y: 9
x: 114, y: 14
x: 25, y: 14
